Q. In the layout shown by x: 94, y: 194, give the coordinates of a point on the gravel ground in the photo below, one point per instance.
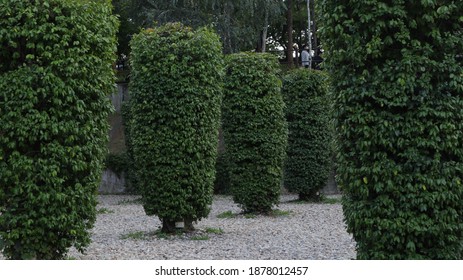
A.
x: 313, y: 231
x: 309, y: 231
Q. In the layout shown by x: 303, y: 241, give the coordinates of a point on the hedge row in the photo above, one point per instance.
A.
x: 55, y: 73
x: 397, y: 73
x: 165, y: 128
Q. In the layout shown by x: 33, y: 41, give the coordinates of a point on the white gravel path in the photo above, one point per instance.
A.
x: 313, y: 231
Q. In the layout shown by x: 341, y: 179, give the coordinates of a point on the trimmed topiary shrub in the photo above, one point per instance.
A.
x: 308, y: 112
x: 255, y: 130
x: 397, y: 72
x: 176, y: 93
x: 55, y: 74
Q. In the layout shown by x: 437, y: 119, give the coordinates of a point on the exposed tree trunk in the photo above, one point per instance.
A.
x: 296, y: 58
x: 259, y: 46
x: 289, y: 23
x: 262, y: 40
x: 189, y: 225
x: 228, y: 8
x: 314, y: 29
x: 168, y: 226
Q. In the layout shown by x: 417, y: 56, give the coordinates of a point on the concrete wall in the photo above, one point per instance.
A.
x: 111, y: 183
x: 331, y: 186
x: 120, y: 95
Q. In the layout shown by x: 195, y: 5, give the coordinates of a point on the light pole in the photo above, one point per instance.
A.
x: 309, y: 34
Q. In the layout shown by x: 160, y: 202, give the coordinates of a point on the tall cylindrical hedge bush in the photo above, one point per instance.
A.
x: 55, y: 74
x: 397, y: 72
x: 308, y: 160
x: 255, y: 130
x: 176, y: 94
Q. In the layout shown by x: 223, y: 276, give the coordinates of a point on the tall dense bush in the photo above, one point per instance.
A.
x: 55, y: 73
x: 397, y: 71
x: 176, y: 93
x: 308, y: 161
x: 255, y: 130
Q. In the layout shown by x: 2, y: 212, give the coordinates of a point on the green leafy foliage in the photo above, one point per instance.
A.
x: 176, y: 94
x: 308, y: 161
x: 222, y: 182
x: 117, y: 163
x: 55, y: 73
x: 255, y: 130
x: 397, y: 72
x: 130, y: 171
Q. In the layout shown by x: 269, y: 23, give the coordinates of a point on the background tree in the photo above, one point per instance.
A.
x: 279, y: 32
x: 289, y: 32
x: 398, y: 101
x: 129, y: 18
x: 242, y: 25
x: 53, y: 122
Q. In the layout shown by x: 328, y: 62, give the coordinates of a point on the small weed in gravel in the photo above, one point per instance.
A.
x: 214, y: 230
x: 137, y: 235
x: 104, y: 211
x: 226, y: 215
x: 200, y: 237
x: 163, y: 235
x: 279, y: 213
x: 250, y: 215
x: 331, y: 200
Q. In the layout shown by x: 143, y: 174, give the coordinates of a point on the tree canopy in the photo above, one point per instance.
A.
x: 243, y: 25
